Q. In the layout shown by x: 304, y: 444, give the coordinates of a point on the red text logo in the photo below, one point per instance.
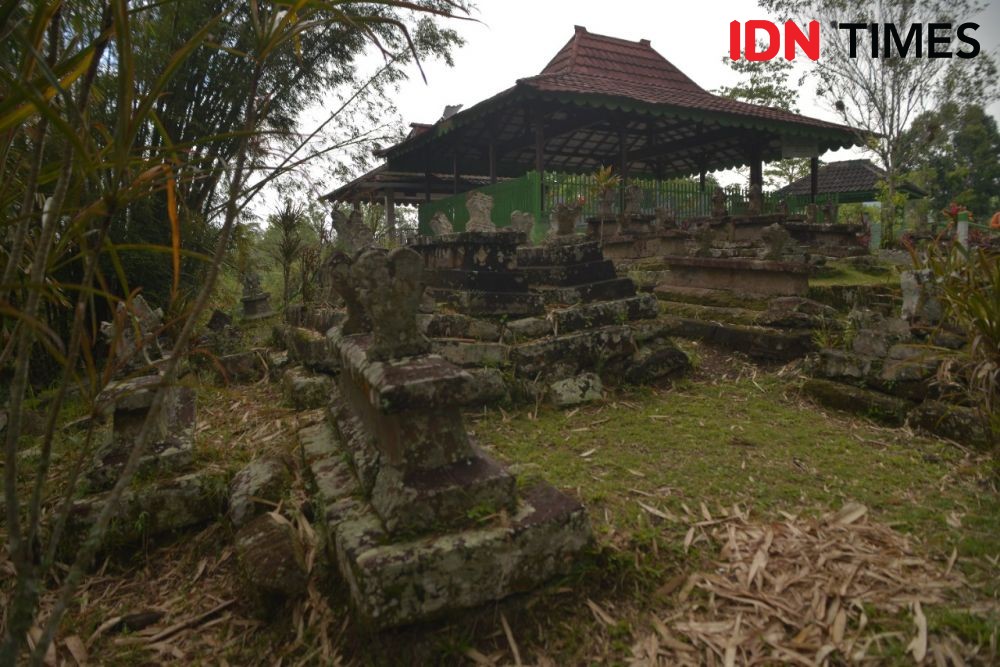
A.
x: 809, y: 43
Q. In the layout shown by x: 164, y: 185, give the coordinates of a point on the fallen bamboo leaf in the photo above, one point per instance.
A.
x: 510, y: 640
x: 850, y: 513
x: 601, y: 615
x: 918, y: 647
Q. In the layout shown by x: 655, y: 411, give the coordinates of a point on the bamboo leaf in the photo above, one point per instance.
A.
x: 175, y: 234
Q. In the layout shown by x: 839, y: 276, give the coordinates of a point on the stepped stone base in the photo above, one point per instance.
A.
x: 395, y: 580
x: 605, y: 290
x: 760, y: 277
x: 480, y: 304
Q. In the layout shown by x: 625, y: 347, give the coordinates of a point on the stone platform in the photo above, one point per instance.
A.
x: 399, y: 581
x: 419, y: 519
x: 572, y: 273
x: 748, y: 276
x: 476, y: 273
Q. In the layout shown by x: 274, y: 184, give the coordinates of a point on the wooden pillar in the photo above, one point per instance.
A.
x: 493, y: 163
x: 756, y: 168
x: 454, y: 173
x: 701, y: 180
x: 539, y: 146
x: 539, y: 155
x: 813, y: 178
x: 390, y: 214
x: 427, y: 186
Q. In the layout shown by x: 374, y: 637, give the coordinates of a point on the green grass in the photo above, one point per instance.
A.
x: 837, y: 273
x: 757, y: 443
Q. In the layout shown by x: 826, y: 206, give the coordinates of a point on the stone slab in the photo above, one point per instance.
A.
x: 756, y: 342
x: 478, y: 303
x: 603, y: 313
x: 875, y: 405
x: 571, y: 274
x: 559, y: 254
x: 395, y: 583
x: 454, y: 325
x: 394, y: 386
x: 581, y: 350
x: 605, y: 290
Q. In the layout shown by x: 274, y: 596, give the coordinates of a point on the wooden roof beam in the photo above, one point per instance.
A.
x: 720, y: 134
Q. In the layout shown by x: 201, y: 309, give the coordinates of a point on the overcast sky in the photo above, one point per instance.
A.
x: 517, y: 38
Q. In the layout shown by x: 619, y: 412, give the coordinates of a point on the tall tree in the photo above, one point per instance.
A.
x: 881, y: 96
x: 84, y: 141
x: 960, y: 157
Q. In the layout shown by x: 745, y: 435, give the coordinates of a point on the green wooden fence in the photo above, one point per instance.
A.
x: 684, y: 197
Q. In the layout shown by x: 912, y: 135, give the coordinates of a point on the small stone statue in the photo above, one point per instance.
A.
x: 812, y: 213
x: 522, y: 222
x: 480, y: 209
x: 390, y: 287
x: 704, y: 236
x: 633, y: 200
x: 562, y: 221
x: 719, y: 204
x: 251, y: 285
x: 338, y: 268
x: 783, y: 208
x: 440, y: 224
x: 606, y: 203
x: 351, y: 231
x: 665, y: 217
x: 133, y: 335
x: 830, y: 213
x: 776, y: 238
x: 756, y: 199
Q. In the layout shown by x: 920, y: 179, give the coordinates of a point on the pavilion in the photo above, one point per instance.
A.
x: 601, y: 100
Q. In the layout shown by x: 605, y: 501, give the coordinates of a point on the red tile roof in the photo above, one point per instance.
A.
x: 602, y: 65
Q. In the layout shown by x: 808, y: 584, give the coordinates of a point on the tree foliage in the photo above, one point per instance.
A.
x: 766, y: 82
x: 881, y: 97
x: 109, y: 131
x: 960, y: 157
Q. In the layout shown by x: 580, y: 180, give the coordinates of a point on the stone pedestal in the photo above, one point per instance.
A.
x: 572, y: 273
x: 476, y: 273
x: 257, y: 306
x: 127, y: 403
x: 420, y: 519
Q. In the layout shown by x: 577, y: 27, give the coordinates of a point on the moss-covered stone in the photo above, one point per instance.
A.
x: 875, y: 405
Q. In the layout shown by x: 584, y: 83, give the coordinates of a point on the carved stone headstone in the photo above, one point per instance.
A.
x: 218, y: 321
x: 830, y: 213
x: 357, y: 320
x: 390, y: 287
x: 719, y: 204
x: 351, y: 231
x: 756, y: 199
x: 776, y: 239
x: 480, y: 211
x: 133, y: 335
x: 704, y: 236
x: 256, y: 302
x: 633, y: 199
x: 440, y: 224
x: 666, y: 218
x: 521, y: 221
x: 562, y: 221
x: 606, y: 203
